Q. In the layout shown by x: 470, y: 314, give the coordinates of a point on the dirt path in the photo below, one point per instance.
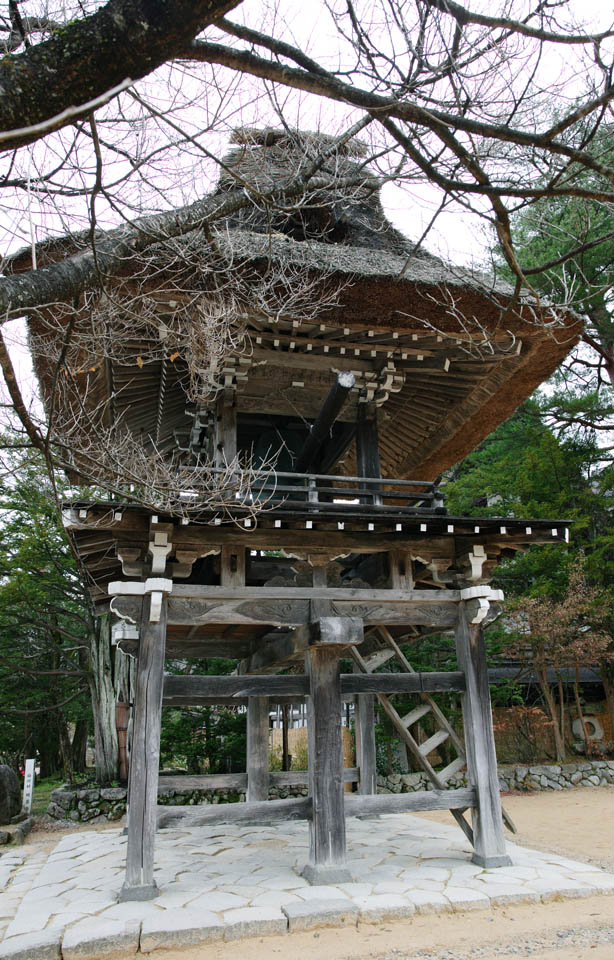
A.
x: 578, y: 823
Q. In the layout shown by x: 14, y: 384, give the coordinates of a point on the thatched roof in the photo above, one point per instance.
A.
x: 463, y: 355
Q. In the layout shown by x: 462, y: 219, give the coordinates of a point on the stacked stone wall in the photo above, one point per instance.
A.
x: 109, y: 803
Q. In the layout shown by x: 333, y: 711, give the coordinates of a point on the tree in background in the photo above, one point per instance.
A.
x: 204, y: 739
x: 57, y: 667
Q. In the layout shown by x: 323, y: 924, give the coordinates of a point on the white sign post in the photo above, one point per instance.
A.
x: 28, y: 786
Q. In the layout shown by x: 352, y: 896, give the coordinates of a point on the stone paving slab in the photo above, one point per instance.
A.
x: 224, y: 883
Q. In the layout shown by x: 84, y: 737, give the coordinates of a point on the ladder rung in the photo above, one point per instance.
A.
x: 433, y: 742
x: 416, y: 714
x: 453, y: 768
x: 377, y: 659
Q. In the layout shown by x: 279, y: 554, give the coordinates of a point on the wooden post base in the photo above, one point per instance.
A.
x: 489, y: 863
x: 146, y: 892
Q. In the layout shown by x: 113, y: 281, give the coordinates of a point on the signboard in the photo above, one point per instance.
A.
x: 28, y: 786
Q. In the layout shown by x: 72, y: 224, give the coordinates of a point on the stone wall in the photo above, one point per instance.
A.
x: 564, y: 776
x: 109, y: 803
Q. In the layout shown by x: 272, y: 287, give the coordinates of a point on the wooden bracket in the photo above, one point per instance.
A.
x: 478, y: 601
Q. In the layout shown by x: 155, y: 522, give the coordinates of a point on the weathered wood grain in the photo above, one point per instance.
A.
x: 268, y: 811
x: 145, y: 758
x: 489, y: 840
x: 357, y: 805
x: 257, y: 749
x: 232, y: 686
x: 365, y: 741
x: 360, y: 683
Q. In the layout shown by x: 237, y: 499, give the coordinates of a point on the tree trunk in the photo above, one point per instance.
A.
x: 576, y: 690
x: 79, y: 745
x: 559, y: 743
x: 562, y: 709
x: 607, y: 678
x: 103, y: 701
x: 68, y: 771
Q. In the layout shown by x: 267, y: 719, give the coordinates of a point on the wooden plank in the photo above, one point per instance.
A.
x: 360, y: 683
x: 257, y: 749
x: 139, y: 883
x: 232, y: 686
x: 357, y: 805
x: 267, y: 811
x: 489, y: 840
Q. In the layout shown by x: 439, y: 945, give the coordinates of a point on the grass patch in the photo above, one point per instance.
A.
x: 42, y: 791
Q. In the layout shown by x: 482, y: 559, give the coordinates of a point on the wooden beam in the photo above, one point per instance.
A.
x: 268, y: 811
x: 205, y: 781
x: 238, y: 781
x: 190, y: 591
x: 357, y: 805
x: 321, y: 428
x: 436, y: 611
x: 359, y: 683
x: 300, y: 808
x: 145, y: 758
x: 195, y: 687
x: 181, y: 690
x: 489, y: 840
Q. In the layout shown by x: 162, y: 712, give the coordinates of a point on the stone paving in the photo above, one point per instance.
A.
x: 228, y: 882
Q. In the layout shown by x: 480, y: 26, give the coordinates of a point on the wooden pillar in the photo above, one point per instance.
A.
x: 330, y: 636
x: 226, y: 427
x: 489, y: 841
x: 364, y: 725
x: 145, y: 757
x: 257, y: 749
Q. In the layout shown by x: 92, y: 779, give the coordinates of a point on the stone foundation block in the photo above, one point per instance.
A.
x: 321, y: 913
x: 32, y: 946
x: 96, y: 938
x: 179, y: 928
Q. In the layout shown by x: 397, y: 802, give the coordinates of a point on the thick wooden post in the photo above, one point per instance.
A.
x: 327, y: 855
x: 257, y: 749
x: 364, y: 725
x: 489, y: 841
x: 145, y: 758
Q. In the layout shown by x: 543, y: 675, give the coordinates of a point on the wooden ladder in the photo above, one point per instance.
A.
x: 403, y: 724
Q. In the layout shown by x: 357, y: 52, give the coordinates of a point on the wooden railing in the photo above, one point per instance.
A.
x: 338, y: 497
